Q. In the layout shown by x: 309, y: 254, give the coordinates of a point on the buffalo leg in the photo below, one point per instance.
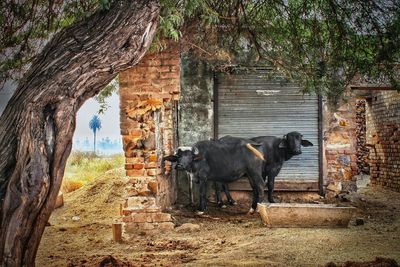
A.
x: 228, y: 195
x: 218, y: 194
x: 255, y: 195
x: 271, y: 182
x: 203, y: 194
x: 257, y: 185
x: 260, y: 188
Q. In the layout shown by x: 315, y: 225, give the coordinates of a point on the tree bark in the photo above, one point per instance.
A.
x: 37, y: 126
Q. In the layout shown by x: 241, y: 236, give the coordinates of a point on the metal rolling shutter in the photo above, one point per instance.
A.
x: 254, y: 104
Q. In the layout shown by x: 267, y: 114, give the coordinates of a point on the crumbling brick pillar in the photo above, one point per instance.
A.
x: 148, y: 95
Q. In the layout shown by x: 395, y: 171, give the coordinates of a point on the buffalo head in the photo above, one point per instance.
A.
x: 293, y: 141
x: 184, y: 157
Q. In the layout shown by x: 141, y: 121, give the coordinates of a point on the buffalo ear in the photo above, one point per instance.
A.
x: 283, y: 144
x: 306, y: 143
x: 171, y: 158
x: 195, y: 151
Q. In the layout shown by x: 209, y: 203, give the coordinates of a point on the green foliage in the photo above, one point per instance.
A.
x: 102, y: 96
x: 105, y: 4
x: 78, y: 157
x: 84, y: 167
x: 174, y: 14
x: 323, y: 45
x: 27, y: 25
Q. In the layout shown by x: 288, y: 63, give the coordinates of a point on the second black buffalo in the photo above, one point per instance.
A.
x: 279, y: 150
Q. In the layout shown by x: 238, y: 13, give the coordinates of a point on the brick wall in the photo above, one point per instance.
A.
x: 148, y: 95
x: 383, y: 134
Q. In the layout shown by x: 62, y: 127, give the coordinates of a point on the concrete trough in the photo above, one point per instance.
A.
x: 304, y: 215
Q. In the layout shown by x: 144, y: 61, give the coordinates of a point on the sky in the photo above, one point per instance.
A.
x: 109, y: 120
x: 5, y: 94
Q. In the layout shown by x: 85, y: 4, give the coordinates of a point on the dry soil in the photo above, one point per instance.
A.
x: 80, y: 234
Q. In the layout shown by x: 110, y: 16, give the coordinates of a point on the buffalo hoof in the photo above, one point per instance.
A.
x: 199, y: 212
x: 232, y: 203
x: 221, y: 205
x: 251, y: 211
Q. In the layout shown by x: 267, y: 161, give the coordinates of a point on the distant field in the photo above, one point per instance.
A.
x: 84, y: 167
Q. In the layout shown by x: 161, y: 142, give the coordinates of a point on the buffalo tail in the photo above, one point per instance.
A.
x: 255, y: 151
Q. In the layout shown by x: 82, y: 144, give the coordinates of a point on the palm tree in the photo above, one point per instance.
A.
x: 94, y: 125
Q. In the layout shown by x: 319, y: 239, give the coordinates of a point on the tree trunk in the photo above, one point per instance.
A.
x: 37, y: 126
x: 94, y: 141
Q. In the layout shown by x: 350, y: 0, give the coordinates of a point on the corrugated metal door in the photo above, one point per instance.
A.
x: 254, y: 104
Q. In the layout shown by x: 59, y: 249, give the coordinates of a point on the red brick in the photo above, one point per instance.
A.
x: 151, y: 165
x: 173, y: 82
x: 153, y: 62
x: 126, y: 212
x: 135, y: 172
x: 127, y: 219
x: 139, y: 217
x: 167, y: 88
x: 164, y: 96
x: 123, y: 76
x: 153, y: 186
x: 151, y: 89
x: 152, y: 158
x: 138, y: 166
x: 164, y: 69
x: 161, y: 217
x: 173, y: 62
x: 169, y: 75
x: 128, y: 166
x: 146, y: 226
x: 135, y: 133
x: 144, y: 193
x: 134, y: 160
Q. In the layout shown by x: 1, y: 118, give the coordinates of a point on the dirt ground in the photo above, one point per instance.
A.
x: 80, y: 234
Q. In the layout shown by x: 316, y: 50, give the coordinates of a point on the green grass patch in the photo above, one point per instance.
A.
x: 84, y: 167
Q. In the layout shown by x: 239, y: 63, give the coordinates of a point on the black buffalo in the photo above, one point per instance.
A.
x: 219, y: 187
x: 277, y: 151
x: 223, y: 162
